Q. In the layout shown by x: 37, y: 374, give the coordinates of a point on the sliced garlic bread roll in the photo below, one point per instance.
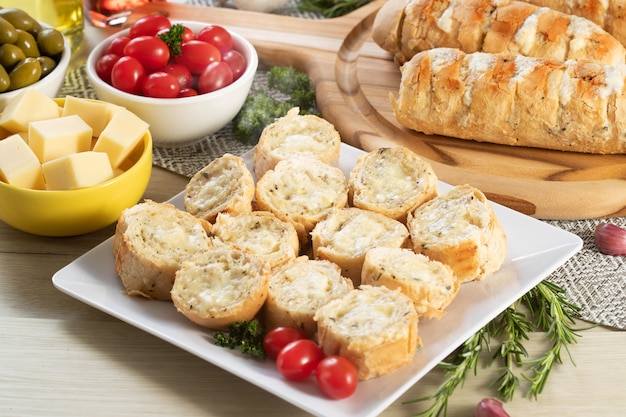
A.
x: 261, y: 233
x: 391, y: 181
x: 151, y: 242
x: 221, y: 286
x: 373, y: 327
x: 345, y: 236
x: 431, y: 285
x: 225, y: 185
x: 460, y: 229
x: 304, y: 135
x: 298, y: 289
x: 302, y: 191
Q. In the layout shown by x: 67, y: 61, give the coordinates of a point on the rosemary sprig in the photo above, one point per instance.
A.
x: 543, y: 309
x: 331, y: 8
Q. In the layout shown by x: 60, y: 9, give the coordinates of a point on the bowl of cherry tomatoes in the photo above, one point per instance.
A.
x: 186, y: 79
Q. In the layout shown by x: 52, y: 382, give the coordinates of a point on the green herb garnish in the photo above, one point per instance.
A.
x: 247, y: 336
x: 173, y: 38
x: 331, y: 8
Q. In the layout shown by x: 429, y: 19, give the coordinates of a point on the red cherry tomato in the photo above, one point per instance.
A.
x: 160, y: 85
x: 298, y: 359
x: 127, y: 75
x: 215, y: 76
x: 116, y: 46
x: 149, y: 25
x: 187, y: 92
x: 279, y: 337
x: 236, y: 61
x: 196, y: 55
x: 336, y: 376
x: 104, y: 65
x: 152, y: 52
x: 182, y: 74
x: 217, y: 36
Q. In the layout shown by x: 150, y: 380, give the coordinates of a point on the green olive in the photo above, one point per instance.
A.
x: 8, y: 34
x: 25, y: 73
x: 19, y: 18
x: 47, y: 65
x: 50, y: 42
x: 10, y: 55
x: 27, y: 43
x: 5, y: 80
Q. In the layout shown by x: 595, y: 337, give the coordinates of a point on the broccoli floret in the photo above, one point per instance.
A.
x: 294, y: 84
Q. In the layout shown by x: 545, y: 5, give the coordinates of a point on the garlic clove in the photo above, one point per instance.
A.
x: 610, y: 239
x: 490, y: 407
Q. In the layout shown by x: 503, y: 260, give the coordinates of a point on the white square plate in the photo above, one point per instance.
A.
x: 535, y: 249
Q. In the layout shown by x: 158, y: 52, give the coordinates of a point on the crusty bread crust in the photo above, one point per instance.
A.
x: 298, y: 289
x: 302, y: 191
x: 296, y: 135
x: 373, y: 327
x: 150, y: 243
x: 345, y: 236
x: 225, y: 185
x: 391, y: 181
x: 431, y: 285
x: 219, y: 287
x: 460, y: 229
x: 261, y: 233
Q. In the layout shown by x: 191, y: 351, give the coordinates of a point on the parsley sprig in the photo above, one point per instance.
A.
x: 543, y: 309
x: 173, y: 38
x: 332, y: 8
x: 247, y: 336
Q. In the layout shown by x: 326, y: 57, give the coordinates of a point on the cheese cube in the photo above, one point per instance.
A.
x: 28, y: 106
x: 95, y: 113
x: 19, y: 165
x: 121, y: 136
x: 51, y: 139
x: 77, y: 170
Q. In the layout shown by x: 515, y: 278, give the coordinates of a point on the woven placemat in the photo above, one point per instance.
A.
x: 593, y: 281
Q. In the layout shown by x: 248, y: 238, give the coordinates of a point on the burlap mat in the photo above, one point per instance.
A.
x: 593, y: 281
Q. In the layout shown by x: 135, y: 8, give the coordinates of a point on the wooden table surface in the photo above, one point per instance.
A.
x: 60, y: 357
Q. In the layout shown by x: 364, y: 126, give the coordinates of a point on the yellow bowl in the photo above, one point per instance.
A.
x: 84, y: 210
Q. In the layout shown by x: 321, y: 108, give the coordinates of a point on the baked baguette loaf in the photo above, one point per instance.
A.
x: 302, y: 191
x: 261, y: 233
x: 460, y: 229
x: 221, y: 286
x: 345, y: 236
x: 373, y: 327
x: 298, y: 289
x: 391, y: 181
x: 608, y: 14
x: 405, y: 28
x: 296, y: 135
x: 431, y: 285
x: 225, y: 185
x: 151, y: 242
x: 514, y: 100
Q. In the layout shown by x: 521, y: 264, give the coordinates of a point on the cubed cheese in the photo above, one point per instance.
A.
x: 51, y: 139
x: 121, y: 136
x: 77, y: 170
x: 29, y: 106
x: 95, y: 113
x: 19, y: 165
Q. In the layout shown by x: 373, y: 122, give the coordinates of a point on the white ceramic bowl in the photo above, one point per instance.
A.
x: 48, y: 85
x: 181, y: 121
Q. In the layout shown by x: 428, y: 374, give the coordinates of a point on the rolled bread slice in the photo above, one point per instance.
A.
x: 391, y: 181
x: 460, y: 229
x: 298, y: 289
x: 431, y: 285
x: 225, y: 185
x: 261, y: 233
x: 302, y: 191
x: 221, y: 286
x: 294, y: 134
x: 345, y: 236
x: 373, y: 327
x: 150, y: 243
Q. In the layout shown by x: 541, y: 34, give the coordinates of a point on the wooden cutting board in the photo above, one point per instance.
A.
x: 353, y: 78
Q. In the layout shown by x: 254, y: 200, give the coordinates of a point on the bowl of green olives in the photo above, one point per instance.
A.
x: 32, y: 55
